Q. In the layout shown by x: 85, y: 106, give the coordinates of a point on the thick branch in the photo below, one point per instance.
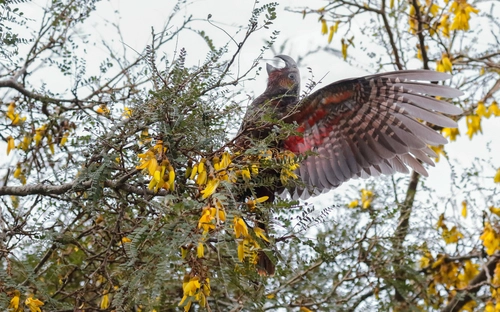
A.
x: 465, y: 295
x: 77, y: 186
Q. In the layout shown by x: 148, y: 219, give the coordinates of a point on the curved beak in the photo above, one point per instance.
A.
x: 289, y: 62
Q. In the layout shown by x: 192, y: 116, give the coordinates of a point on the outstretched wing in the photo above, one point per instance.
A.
x: 370, y: 126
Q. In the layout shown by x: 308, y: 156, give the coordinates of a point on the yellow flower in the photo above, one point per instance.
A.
x: 225, y: 161
x: 469, y: 306
x: 33, y: 304
x: 493, y: 109
x: 102, y: 109
x: 126, y: 240
x: 205, y: 221
x: 25, y: 144
x: 425, y: 260
x: 490, y: 238
x: 248, y: 248
x: 219, y: 212
x: 245, y: 174
x: 10, y: 144
x: 157, y: 182
x: 260, y: 233
x: 462, y: 11
x: 353, y: 204
x: 451, y: 236
x: 439, y: 150
x: 14, y: 302
x: 481, y: 110
x: 64, y: 139
x: 366, y: 198
x: 444, y: 25
x: 190, y: 289
x: 434, y: 9
x: 464, y: 209
x: 105, y: 300
x: 450, y: 133
x: 333, y: 30
x: 148, y: 160
x: 330, y: 33
x: 15, y: 118
x: 202, y: 177
x: 50, y: 144
x: 440, y: 222
x: 489, y: 307
x: 444, y: 65
x: 19, y: 174
x: 39, y: 133
x: 473, y: 125
x: 470, y: 271
x: 211, y: 187
x: 324, y: 27
x: 495, y: 210
x: 241, y: 251
x: 127, y: 112
x: 194, y: 171
x: 240, y: 227
x: 344, y: 49
x: 496, y: 179
x: 171, y: 177
x: 251, y: 204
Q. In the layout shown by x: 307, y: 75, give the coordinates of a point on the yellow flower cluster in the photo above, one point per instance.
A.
x: 194, y: 291
x: 329, y: 30
x: 14, y: 117
x: 156, y: 165
x: 461, y: 9
x: 289, y: 164
x: 19, y: 174
x: 495, y: 291
x: 220, y: 170
x: 30, y: 302
x: 492, y: 110
x: 444, y: 64
x: 211, y: 216
x: 450, y: 133
x: 367, y: 197
x: 429, y: 7
x: 444, y: 25
x: 490, y: 238
x: 103, y: 109
x: 248, y: 247
x: 449, y: 236
x: 473, y: 123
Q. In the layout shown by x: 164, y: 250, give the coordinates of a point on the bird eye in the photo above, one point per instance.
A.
x: 291, y: 76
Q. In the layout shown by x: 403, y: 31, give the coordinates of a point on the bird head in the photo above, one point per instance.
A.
x: 284, y: 80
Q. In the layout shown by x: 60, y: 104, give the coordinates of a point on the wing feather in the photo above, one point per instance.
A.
x: 368, y: 126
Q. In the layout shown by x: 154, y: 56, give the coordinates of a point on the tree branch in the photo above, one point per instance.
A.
x: 76, y: 186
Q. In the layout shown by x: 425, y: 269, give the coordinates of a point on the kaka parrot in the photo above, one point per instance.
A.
x: 358, y: 127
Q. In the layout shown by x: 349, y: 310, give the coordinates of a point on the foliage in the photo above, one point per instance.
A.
x: 127, y: 191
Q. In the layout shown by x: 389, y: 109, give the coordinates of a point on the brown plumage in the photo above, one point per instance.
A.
x: 357, y: 127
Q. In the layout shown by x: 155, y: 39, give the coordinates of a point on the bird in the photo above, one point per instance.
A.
x: 354, y: 128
